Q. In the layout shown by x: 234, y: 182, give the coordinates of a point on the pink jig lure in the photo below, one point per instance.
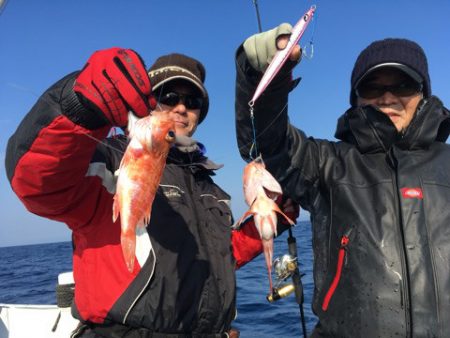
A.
x: 281, y: 56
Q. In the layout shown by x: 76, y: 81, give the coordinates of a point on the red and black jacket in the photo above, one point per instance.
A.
x: 61, y: 167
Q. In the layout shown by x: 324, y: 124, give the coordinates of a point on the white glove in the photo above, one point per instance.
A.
x: 262, y: 47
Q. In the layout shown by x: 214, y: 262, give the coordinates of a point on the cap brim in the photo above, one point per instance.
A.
x: 181, y: 77
x: 405, y: 69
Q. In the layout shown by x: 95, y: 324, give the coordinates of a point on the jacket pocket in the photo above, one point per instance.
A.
x: 339, y: 266
x: 218, y: 208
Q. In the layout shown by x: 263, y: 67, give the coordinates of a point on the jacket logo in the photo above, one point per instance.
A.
x: 171, y: 191
x: 412, y: 193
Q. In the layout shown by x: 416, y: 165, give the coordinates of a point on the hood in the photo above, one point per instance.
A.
x: 372, y: 131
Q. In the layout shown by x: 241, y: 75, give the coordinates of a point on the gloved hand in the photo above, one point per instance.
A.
x: 261, y: 48
x: 113, y: 82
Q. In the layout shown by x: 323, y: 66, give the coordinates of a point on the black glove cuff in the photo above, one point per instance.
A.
x: 78, y: 113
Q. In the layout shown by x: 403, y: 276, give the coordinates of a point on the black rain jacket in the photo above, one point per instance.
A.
x: 379, y: 204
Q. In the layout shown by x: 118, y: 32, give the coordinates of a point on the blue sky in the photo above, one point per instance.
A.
x: 41, y: 41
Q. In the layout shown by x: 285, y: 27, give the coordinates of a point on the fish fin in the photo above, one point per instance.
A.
x: 116, y: 208
x: 142, y: 223
x: 244, y: 217
x: 128, y: 242
x: 277, y: 209
x: 147, y: 215
x: 273, y: 224
x: 132, y: 119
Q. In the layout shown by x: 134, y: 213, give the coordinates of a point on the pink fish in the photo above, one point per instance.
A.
x: 256, y: 177
x: 140, y: 172
x: 258, y: 184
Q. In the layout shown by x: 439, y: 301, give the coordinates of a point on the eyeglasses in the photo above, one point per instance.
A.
x: 172, y: 99
x: 372, y: 90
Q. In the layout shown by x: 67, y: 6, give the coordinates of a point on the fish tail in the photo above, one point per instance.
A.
x: 268, y: 255
x: 128, y: 242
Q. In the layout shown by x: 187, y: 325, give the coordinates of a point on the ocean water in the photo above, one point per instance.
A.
x: 29, y: 274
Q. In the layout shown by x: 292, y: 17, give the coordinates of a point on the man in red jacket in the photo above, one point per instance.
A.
x: 61, y: 165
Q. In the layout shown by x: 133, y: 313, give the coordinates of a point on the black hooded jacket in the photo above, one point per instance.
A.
x: 379, y: 204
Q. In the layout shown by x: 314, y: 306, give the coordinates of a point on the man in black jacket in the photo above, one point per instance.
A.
x: 378, y: 197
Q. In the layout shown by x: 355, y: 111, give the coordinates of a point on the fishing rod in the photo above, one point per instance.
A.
x: 286, y: 266
x: 255, y: 3
x: 2, y: 5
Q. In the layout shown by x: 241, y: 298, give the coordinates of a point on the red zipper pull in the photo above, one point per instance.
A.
x: 341, y: 257
x: 344, y: 241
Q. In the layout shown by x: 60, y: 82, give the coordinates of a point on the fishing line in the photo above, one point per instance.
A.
x: 276, y: 64
x: 254, y: 148
x: 112, y: 132
x: 3, y: 4
x: 44, y: 99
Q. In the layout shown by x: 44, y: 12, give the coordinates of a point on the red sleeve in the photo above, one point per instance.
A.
x: 51, y: 177
x: 48, y: 158
x: 246, y: 243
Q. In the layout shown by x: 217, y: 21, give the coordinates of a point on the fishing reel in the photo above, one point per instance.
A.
x: 284, y: 267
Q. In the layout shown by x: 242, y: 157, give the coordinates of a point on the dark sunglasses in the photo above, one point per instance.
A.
x: 172, y: 99
x: 373, y: 90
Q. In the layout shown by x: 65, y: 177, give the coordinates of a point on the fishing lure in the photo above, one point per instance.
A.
x: 281, y: 56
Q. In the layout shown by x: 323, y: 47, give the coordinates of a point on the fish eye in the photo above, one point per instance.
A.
x: 170, y: 136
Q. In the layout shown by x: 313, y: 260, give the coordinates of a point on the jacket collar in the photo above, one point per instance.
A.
x: 189, y: 152
x: 371, y: 131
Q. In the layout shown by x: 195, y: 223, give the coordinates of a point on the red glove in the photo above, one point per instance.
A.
x: 246, y: 243
x: 113, y: 82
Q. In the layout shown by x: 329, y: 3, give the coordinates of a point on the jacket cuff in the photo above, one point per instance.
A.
x: 74, y: 110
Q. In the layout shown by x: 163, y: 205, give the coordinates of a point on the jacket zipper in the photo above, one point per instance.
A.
x: 340, y: 263
x: 127, y: 313
x: 403, y: 282
x: 189, y: 186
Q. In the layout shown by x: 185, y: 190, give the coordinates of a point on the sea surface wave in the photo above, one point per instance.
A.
x: 29, y: 274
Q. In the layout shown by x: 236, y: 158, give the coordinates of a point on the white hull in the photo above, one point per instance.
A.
x: 37, y: 321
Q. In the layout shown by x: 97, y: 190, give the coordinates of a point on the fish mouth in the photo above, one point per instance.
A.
x: 271, y: 194
x: 259, y: 159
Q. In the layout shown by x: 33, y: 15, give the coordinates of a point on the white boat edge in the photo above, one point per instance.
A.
x: 38, y: 321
